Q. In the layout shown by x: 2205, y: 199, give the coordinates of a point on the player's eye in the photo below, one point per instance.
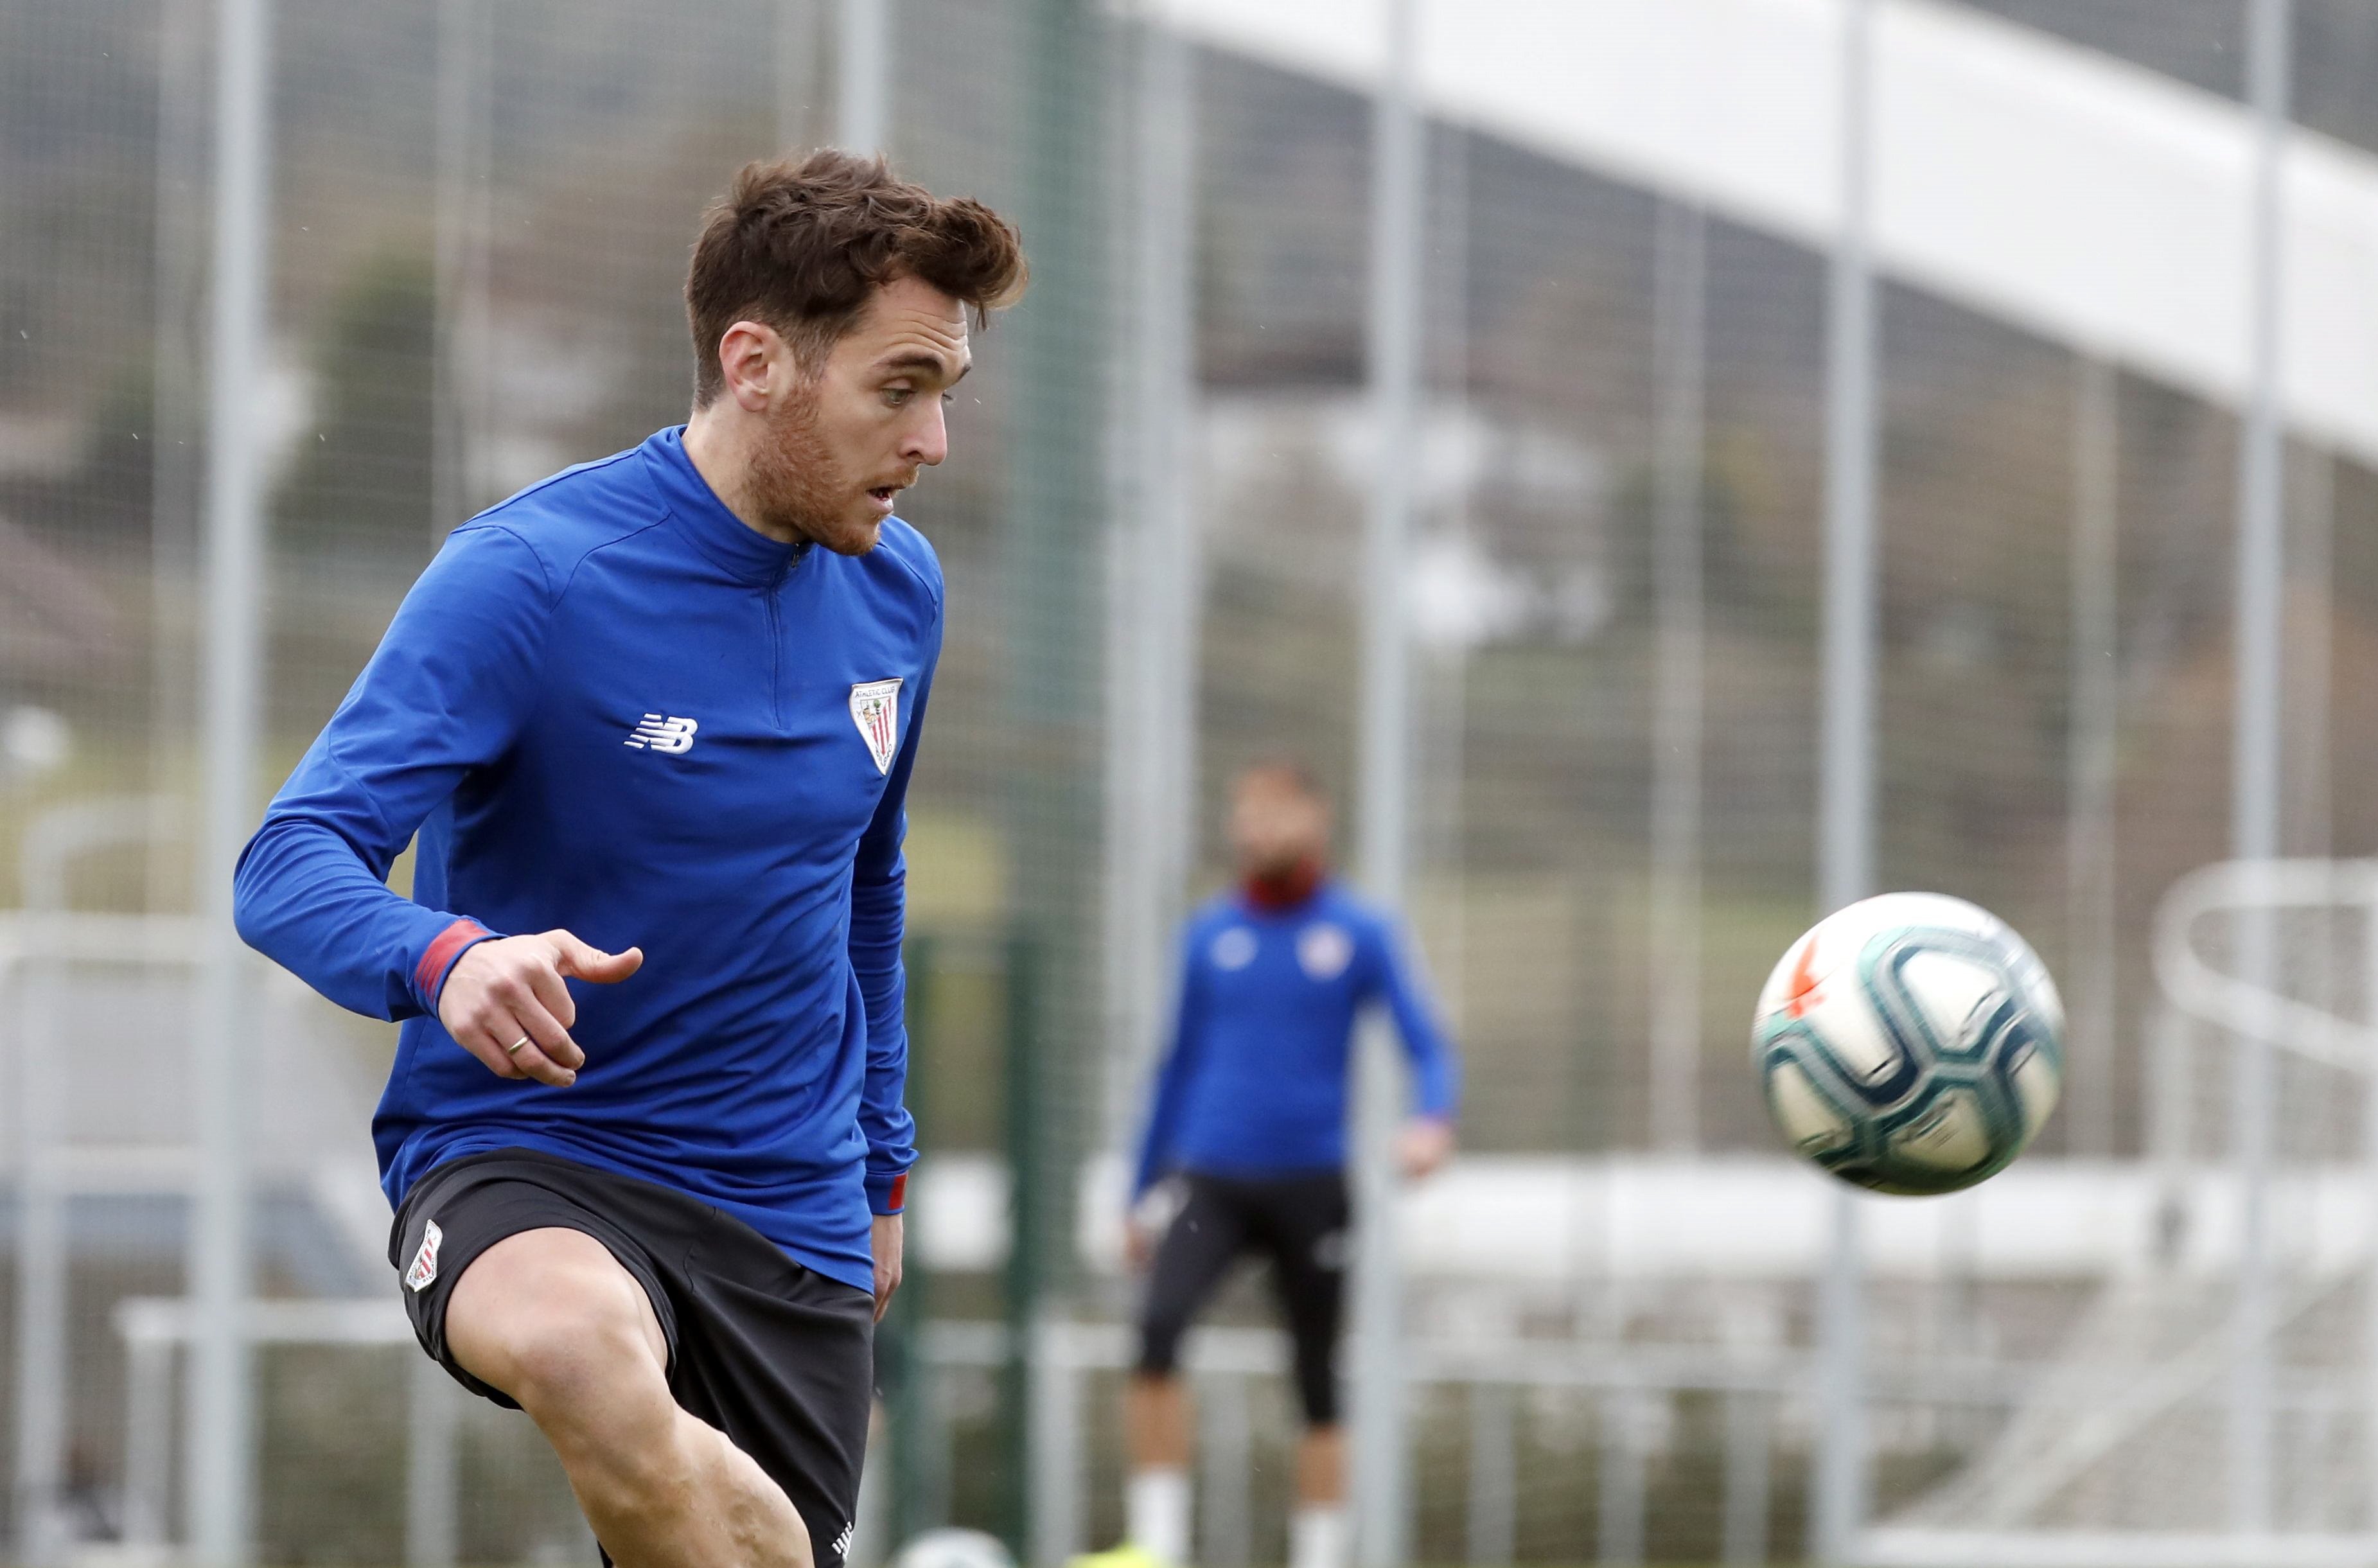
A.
x: 897, y: 397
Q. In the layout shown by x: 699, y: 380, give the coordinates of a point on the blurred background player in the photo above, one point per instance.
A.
x: 1250, y: 1124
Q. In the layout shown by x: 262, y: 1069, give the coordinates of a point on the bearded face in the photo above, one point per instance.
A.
x: 843, y: 435
x: 800, y: 487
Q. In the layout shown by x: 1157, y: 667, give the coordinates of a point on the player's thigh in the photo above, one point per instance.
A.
x: 1197, y: 1249
x: 550, y: 1317
x: 1302, y: 1231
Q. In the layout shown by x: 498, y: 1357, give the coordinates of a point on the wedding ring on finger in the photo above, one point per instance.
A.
x: 514, y: 1049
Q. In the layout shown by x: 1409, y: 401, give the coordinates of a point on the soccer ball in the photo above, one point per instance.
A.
x: 1910, y: 1043
x: 954, y: 1549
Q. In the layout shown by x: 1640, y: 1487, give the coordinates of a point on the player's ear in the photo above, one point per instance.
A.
x: 748, y: 351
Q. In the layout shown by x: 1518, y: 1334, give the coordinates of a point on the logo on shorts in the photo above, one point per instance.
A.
x: 875, y: 709
x: 674, y: 737
x: 425, y: 1261
x: 842, y: 1541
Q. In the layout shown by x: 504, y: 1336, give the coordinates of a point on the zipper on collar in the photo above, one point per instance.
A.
x: 775, y: 598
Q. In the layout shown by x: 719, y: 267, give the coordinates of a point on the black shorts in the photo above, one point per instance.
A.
x: 777, y: 1356
x: 1298, y: 1222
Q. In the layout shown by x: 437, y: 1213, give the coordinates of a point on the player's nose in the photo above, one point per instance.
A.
x: 928, y: 440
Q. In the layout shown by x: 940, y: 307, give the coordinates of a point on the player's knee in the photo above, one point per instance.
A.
x: 1316, y: 1382
x: 1159, y: 1346
x: 1319, y: 1397
x: 583, y: 1360
x: 589, y: 1382
x: 557, y: 1324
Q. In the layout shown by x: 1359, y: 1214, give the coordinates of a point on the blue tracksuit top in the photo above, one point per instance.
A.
x: 1257, y: 1079
x: 610, y: 706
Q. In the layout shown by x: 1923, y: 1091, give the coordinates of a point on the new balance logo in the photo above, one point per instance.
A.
x: 672, y: 735
x: 842, y: 1541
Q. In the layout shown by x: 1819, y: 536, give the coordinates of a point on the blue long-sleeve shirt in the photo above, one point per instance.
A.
x: 1255, y: 1080
x: 609, y: 706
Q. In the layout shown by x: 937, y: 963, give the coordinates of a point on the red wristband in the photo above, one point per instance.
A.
x: 429, y: 975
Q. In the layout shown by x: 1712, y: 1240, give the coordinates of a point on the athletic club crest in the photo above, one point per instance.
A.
x: 875, y: 709
x: 425, y: 1261
x: 1323, y: 951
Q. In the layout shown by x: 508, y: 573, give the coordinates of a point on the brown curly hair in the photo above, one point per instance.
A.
x: 800, y: 246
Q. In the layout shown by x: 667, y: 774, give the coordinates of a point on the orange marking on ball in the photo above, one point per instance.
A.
x: 1804, y: 980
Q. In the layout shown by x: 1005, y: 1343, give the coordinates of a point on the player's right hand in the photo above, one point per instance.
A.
x: 511, y: 990
x: 1138, y: 1242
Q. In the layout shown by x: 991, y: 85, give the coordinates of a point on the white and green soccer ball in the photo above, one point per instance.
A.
x: 955, y: 1549
x: 1911, y: 1043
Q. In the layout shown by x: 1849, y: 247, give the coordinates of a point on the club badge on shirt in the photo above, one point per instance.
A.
x: 1323, y: 951
x: 875, y: 709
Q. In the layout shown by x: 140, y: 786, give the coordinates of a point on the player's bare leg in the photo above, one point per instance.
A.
x: 1321, y: 1467
x: 1156, y: 1422
x: 1317, y: 1534
x: 1155, y: 1429
x: 551, y: 1319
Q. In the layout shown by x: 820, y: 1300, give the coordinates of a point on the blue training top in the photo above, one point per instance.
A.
x: 1256, y: 1081
x: 609, y: 705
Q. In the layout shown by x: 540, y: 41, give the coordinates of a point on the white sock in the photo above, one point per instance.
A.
x: 1155, y: 1514
x: 1316, y: 1535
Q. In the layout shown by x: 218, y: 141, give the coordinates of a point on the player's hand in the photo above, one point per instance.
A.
x: 1424, y: 1144
x: 885, y: 1238
x: 1138, y: 1242
x: 510, y: 989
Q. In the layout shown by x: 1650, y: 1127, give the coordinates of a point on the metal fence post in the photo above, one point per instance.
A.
x: 434, y: 1415
x: 1028, y: 1220
x: 462, y: 220
x: 901, y: 1369
x: 43, y: 1267
x: 147, y: 1437
x: 1845, y: 810
x: 1680, y: 330
x: 1225, y: 1464
x: 1056, y: 1446
x: 2369, y: 1186
x: 221, y: 1423
x: 2255, y: 766
x: 1493, y: 1475
x: 863, y: 86
x: 1618, y: 1516
x: 2090, y: 938
x: 1378, y: 1461
x: 1053, y: 543
x: 1748, y: 1414
x: 1156, y: 584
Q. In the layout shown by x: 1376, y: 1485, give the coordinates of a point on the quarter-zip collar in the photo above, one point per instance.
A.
x: 749, y: 554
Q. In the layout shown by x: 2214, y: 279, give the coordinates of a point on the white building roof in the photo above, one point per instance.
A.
x: 2081, y: 199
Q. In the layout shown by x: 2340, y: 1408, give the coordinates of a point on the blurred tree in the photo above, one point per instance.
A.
x: 362, y: 474
x: 102, y: 501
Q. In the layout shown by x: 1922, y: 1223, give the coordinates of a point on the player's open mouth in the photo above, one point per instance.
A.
x: 882, y: 494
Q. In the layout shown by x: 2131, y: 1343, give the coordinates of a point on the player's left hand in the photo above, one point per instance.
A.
x: 1423, y: 1145
x: 884, y: 1238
